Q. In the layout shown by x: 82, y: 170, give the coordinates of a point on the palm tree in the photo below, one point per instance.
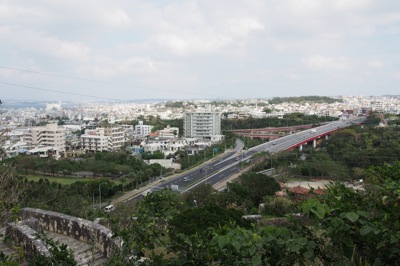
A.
x: 132, y: 176
x: 123, y: 180
x: 148, y: 173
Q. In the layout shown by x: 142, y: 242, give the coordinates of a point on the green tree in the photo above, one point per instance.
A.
x: 200, y: 196
x: 198, y: 220
x: 258, y: 186
x: 153, y: 155
x: 152, y: 214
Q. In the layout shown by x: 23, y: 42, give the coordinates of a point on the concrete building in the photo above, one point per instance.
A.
x: 156, y: 144
x: 103, y: 139
x: 117, y: 137
x: 142, y: 130
x: 45, y: 152
x: 377, y: 106
x: 202, y: 125
x: 95, y: 140
x: 50, y: 135
x: 169, y: 132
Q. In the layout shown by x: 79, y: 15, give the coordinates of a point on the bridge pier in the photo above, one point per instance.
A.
x: 326, y: 137
x: 301, y: 147
x: 314, y: 143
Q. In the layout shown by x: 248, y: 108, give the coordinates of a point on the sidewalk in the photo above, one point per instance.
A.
x: 132, y: 193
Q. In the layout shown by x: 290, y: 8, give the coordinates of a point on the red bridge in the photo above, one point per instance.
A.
x: 270, y: 132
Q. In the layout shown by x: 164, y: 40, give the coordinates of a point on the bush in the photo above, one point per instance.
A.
x: 278, y: 206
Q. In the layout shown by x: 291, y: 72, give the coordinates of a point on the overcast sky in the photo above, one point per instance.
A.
x: 130, y: 49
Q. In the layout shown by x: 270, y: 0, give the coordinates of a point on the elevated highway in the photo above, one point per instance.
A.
x: 216, y: 171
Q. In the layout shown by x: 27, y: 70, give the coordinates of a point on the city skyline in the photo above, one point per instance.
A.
x: 132, y: 50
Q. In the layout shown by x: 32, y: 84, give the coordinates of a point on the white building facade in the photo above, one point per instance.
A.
x: 202, y: 125
x: 50, y: 135
x: 94, y: 140
x: 142, y: 130
x: 117, y: 137
x: 103, y: 139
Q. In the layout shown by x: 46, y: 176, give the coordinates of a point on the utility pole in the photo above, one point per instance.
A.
x: 1, y: 115
x: 100, y: 193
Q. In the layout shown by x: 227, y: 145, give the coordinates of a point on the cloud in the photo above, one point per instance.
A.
x: 325, y: 63
x: 44, y: 45
x: 207, y: 38
x: 117, y: 18
x: 192, y: 43
x: 106, y: 67
x: 396, y: 74
x: 351, y: 5
x: 205, y: 45
x: 243, y: 26
x: 375, y: 64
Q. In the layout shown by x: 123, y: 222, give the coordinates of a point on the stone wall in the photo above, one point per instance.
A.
x: 78, y: 228
x: 24, y: 234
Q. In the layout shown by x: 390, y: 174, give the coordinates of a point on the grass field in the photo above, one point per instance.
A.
x: 58, y: 179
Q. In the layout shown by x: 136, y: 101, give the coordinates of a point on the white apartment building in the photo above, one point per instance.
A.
x: 156, y: 144
x: 50, y: 135
x: 142, y: 130
x: 103, y: 139
x: 95, y: 140
x: 377, y: 106
x: 202, y: 125
x: 169, y: 132
x: 117, y: 137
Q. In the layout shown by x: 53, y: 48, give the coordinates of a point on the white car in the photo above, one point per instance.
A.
x: 109, y: 208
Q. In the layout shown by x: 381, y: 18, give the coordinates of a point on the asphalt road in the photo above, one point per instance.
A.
x: 214, y: 171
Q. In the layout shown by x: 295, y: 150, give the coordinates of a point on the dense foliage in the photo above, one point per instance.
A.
x: 304, y: 99
x: 131, y: 171
x: 295, y: 119
x: 342, y: 227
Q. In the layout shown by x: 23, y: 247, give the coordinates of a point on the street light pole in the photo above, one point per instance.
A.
x: 100, y: 193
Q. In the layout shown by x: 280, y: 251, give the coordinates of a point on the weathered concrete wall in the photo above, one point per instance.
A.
x: 78, y: 228
x: 23, y: 234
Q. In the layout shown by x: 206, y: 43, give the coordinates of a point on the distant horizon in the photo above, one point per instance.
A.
x: 13, y: 103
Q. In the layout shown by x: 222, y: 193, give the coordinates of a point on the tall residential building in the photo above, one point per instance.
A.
x: 117, y: 137
x: 103, y: 139
x: 50, y: 135
x: 202, y: 125
x: 142, y: 130
x: 95, y: 140
x: 377, y: 106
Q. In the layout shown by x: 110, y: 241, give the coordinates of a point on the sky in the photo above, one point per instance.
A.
x: 197, y: 49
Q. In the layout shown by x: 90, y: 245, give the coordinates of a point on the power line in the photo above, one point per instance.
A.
x: 63, y: 92
x: 104, y: 82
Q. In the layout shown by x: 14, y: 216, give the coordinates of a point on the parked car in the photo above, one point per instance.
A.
x: 109, y: 208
